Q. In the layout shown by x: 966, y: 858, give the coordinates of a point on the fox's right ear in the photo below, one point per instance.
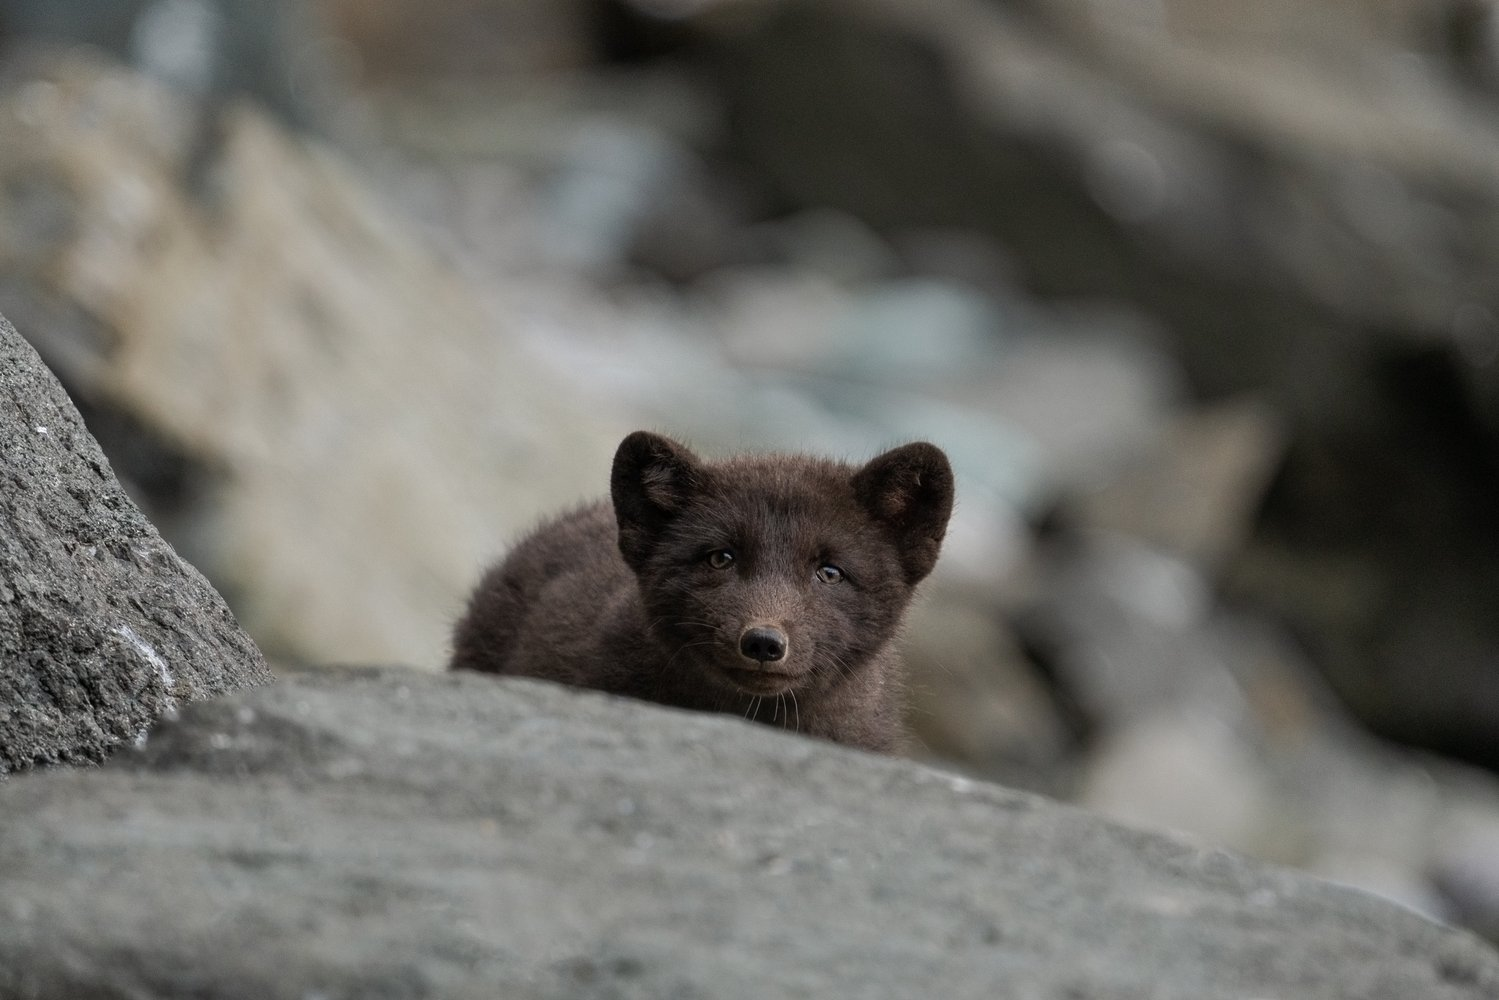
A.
x: 652, y: 479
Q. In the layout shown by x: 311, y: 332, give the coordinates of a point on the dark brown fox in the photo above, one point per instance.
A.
x: 767, y: 586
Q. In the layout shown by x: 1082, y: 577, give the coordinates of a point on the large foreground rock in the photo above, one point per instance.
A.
x: 102, y: 626
x: 399, y: 834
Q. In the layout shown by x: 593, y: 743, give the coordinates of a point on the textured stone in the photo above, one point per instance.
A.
x: 102, y: 626
x: 401, y: 834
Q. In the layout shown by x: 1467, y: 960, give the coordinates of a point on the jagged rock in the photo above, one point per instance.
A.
x: 102, y: 626
x: 400, y: 834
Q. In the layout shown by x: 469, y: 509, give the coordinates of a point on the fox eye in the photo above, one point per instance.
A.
x: 829, y: 573
x: 720, y: 558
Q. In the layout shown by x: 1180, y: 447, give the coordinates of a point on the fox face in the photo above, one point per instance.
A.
x: 775, y: 574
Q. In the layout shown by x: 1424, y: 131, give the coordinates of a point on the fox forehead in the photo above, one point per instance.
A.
x: 795, y: 517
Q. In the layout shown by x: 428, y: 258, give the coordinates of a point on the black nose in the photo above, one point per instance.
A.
x: 764, y: 644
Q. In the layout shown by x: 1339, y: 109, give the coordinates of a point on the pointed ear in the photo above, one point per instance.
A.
x: 652, y: 479
x: 909, y: 493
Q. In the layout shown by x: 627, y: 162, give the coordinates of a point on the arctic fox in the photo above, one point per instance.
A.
x: 766, y: 586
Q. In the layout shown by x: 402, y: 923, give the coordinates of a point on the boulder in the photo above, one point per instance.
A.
x: 102, y: 626
x: 402, y: 834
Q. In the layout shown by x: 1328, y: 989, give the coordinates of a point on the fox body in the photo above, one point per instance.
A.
x: 768, y: 586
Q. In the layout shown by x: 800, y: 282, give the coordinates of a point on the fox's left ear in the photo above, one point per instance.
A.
x: 909, y: 492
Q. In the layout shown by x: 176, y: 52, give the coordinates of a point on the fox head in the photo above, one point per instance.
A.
x: 777, y: 573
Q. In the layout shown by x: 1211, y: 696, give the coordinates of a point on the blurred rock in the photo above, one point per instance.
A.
x: 1466, y: 873
x: 1195, y: 490
x: 274, y: 328
x: 694, y: 226
x: 402, y: 39
x: 1123, y: 629
x: 921, y: 328
x: 1377, y: 541
x: 174, y: 40
x: 276, y: 52
x: 1244, y: 198
x: 1195, y: 717
x: 600, y: 170
x: 1024, y: 398
x: 380, y: 833
x: 1183, y: 768
x: 103, y: 628
x: 833, y: 244
x: 1316, y: 222
x: 103, y: 25
x: 974, y: 699
x: 603, y: 193
x: 1351, y: 30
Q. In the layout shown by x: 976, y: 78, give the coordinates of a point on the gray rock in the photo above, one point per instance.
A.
x: 102, y: 626
x: 399, y: 834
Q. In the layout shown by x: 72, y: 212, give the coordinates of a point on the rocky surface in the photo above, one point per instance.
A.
x: 103, y: 627
x: 399, y: 834
x: 1198, y: 294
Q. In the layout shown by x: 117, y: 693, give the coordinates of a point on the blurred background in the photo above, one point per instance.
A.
x: 1199, y: 295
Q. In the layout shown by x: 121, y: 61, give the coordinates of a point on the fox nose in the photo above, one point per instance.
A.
x: 763, y: 643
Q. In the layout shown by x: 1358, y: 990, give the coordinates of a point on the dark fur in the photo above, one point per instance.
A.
x: 622, y: 597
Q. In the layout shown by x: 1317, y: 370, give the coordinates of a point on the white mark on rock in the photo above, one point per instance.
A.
x: 152, y: 656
